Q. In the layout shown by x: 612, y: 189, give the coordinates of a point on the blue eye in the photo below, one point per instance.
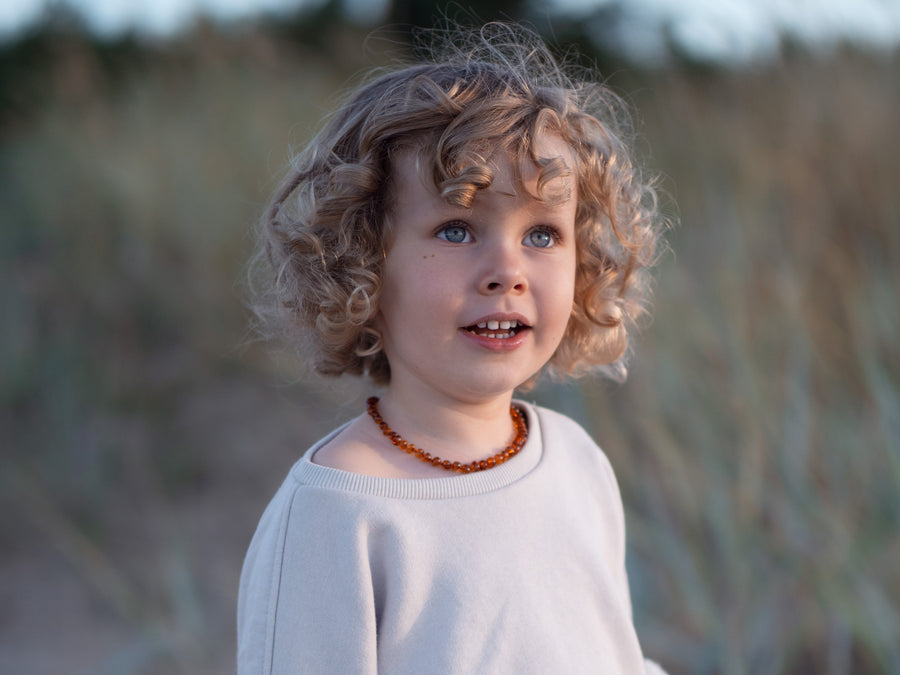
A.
x: 540, y: 239
x: 455, y: 234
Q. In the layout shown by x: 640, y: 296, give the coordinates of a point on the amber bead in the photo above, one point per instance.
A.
x: 519, y: 439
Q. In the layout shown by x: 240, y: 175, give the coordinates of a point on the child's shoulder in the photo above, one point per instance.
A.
x: 356, y: 448
x: 555, y: 423
x: 561, y: 433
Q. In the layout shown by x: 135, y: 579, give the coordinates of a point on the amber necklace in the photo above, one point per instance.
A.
x: 510, y: 450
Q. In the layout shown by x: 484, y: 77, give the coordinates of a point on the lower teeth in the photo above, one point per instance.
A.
x: 495, y: 336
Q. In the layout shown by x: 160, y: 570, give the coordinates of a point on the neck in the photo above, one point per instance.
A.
x: 458, y: 430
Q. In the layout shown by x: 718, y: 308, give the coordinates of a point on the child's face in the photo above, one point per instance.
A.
x: 475, y: 301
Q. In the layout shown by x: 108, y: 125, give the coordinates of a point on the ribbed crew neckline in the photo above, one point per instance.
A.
x: 307, y: 473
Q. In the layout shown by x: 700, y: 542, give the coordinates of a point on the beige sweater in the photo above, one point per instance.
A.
x: 518, y: 569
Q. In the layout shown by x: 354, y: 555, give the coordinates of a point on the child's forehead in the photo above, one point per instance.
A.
x: 511, y: 170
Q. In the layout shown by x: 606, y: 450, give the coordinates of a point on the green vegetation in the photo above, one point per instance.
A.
x: 756, y: 441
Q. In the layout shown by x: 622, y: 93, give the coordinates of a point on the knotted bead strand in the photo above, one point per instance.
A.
x: 511, y: 450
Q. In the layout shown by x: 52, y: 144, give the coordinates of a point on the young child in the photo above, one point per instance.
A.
x: 457, y: 227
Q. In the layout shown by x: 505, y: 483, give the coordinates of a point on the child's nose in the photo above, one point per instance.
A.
x: 502, y: 272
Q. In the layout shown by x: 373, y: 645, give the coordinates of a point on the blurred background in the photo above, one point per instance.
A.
x: 143, y: 430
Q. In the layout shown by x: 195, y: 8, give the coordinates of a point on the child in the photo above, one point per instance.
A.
x: 457, y: 228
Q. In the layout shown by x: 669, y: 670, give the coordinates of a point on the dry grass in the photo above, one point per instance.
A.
x: 756, y: 441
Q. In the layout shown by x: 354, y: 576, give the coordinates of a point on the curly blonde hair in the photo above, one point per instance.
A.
x: 323, y: 234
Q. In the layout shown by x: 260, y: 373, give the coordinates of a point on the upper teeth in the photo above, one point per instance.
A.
x: 501, y: 325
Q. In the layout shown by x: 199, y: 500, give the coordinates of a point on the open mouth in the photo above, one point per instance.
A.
x: 497, y: 330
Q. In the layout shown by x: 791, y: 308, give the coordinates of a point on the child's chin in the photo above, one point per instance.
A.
x: 486, y: 387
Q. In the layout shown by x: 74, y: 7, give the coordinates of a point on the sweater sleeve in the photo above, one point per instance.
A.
x: 306, y: 602
x: 650, y: 667
x: 611, y: 489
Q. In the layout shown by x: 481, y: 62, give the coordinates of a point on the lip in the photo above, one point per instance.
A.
x: 499, y: 345
x: 500, y: 316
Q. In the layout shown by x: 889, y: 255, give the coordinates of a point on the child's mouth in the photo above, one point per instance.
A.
x: 498, y: 330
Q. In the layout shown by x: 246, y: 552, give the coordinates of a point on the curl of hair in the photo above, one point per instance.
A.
x: 323, y: 236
